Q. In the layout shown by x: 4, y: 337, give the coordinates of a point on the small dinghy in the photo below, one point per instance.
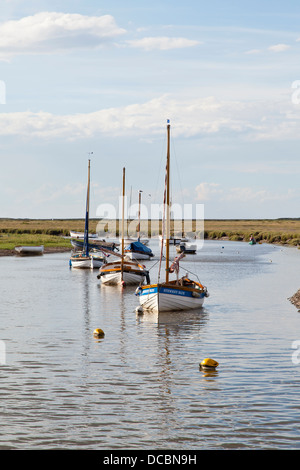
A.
x: 29, y: 250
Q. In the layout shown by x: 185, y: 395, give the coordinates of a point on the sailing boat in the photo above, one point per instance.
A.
x: 123, y: 272
x: 137, y: 249
x: 179, y: 294
x: 86, y: 258
x: 128, y: 239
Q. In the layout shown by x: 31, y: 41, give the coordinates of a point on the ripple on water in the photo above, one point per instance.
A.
x: 141, y: 385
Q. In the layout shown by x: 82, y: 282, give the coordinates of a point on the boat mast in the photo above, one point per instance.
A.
x: 122, y: 260
x: 86, y: 228
x: 139, y: 225
x: 168, y: 204
x: 129, y: 212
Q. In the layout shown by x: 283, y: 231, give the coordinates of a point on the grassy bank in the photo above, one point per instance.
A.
x: 51, y: 233
x: 9, y: 240
x: 281, y: 231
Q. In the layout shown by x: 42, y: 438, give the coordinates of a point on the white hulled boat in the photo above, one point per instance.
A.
x: 94, y: 260
x: 29, y: 250
x: 123, y: 272
x: 179, y: 294
x: 137, y: 250
x: 132, y: 273
x: 85, y: 258
x: 187, y: 248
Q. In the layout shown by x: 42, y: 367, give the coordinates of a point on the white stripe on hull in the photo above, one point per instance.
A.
x: 132, y: 255
x: 115, y: 278
x: 97, y: 263
x: 163, y: 302
x: 86, y: 263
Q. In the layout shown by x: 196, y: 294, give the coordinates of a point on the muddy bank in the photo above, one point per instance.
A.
x: 295, y: 299
x: 49, y: 249
x: 57, y: 249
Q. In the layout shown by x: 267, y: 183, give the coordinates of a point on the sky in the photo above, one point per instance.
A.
x: 98, y: 80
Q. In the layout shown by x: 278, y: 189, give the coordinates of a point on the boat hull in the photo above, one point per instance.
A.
x: 78, y: 244
x: 81, y: 235
x: 186, y: 248
x: 86, y: 262
x: 111, y: 274
x: 29, y: 250
x: 114, y: 279
x: 161, y: 298
x: 138, y: 256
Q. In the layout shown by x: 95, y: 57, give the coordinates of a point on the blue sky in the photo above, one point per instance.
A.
x: 104, y: 77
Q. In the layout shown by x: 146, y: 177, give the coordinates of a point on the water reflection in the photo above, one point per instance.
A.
x: 174, y: 336
x: 86, y: 303
x: 209, y: 373
x: 181, y: 319
x: 141, y: 383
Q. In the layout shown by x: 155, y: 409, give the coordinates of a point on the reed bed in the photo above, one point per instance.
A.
x: 53, y: 232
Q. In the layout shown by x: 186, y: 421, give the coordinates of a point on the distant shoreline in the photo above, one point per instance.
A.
x: 52, y: 233
x: 47, y: 250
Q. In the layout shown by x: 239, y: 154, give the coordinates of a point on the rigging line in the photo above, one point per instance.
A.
x: 177, y: 166
x: 190, y: 272
x: 182, y: 269
x: 160, y: 166
x: 163, y: 223
x: 153, y: 265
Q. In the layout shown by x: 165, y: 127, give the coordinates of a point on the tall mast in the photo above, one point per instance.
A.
x: 86, y: 228
x: 139, y: 215
x: 129, y: 212
x: 168, y: 204
x: 122, y: 260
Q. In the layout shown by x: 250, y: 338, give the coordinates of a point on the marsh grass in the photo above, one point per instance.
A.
x: 281, y: 231
x: 8, y: 241
x: 51, y: 233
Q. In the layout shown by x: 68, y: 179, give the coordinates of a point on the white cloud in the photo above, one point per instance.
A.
x: 49, y: 192
x: 279, y: 47
x: 274, y: 48
x: 193, y: 117
x: 48, y: 32
x: 162, y: 43
x: 207, y: 191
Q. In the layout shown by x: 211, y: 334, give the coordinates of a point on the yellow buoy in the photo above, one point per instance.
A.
x: 98, y: 333
x: 208, y: 364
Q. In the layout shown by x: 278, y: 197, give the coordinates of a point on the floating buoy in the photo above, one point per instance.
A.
x: 208, y: 364
x: 123, y: 283
x: 98, y: 333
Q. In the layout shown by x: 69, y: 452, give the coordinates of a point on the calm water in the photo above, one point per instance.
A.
x: 140, y: 387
